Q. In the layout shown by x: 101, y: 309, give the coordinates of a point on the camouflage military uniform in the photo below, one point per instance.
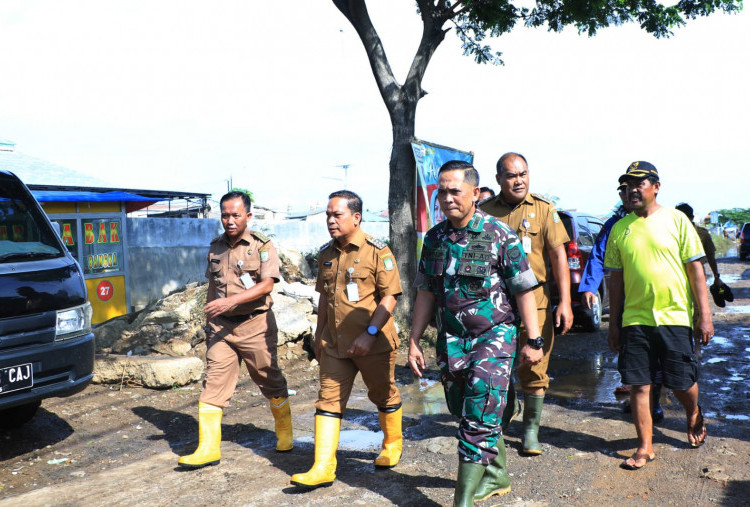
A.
x: 474, y: 272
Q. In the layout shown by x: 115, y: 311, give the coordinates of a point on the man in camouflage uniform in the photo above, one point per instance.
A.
x: 471, y: 266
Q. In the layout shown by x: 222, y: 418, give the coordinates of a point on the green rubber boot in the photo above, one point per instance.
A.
x: 469, y: 475
x: 532, y: 417
x: 495, y: 480
x: 512, y: 407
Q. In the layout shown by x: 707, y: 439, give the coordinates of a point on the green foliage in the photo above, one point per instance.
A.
x: 244, y: 191
x: 478, y: 19
x: 737, y: 215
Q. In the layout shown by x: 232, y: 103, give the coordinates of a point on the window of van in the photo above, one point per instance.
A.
x: 24, y: 234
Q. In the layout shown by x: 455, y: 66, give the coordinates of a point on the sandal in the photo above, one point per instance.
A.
x: 691, y: 430
x: 637, y: 457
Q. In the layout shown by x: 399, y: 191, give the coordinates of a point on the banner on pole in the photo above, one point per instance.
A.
x: 429, y: 158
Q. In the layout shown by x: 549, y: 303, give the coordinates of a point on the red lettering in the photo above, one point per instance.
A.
x: 114, y: 232
x: 67, y: 235
x: 102, y: 238
x: 88, y: 228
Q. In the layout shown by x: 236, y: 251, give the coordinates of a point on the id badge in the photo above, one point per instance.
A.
x: 246, y: 280
x: 352, y: 292
x: 526, y: 242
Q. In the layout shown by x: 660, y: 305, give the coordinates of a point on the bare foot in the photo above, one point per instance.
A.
x: 638, y: 460
x: 696, y: 428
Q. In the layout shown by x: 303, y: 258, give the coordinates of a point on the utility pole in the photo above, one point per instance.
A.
x: 345, y: 167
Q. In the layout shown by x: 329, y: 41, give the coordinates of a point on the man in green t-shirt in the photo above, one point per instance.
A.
x: 654, y: 255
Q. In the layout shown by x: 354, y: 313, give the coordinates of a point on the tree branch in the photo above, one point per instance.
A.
x: 433, y: 19
x: 356, y: 12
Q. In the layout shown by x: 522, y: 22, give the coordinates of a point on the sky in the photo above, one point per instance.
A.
x: 184, y: 95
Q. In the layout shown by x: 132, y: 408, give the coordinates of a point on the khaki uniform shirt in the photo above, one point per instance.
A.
x: 368, y: 263
x: 537, y: 223
x: 253, y: 254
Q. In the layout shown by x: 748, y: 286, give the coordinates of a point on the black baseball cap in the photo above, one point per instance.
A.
x: 640, y: 169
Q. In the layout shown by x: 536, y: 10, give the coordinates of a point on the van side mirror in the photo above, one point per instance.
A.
x: 56, y: 227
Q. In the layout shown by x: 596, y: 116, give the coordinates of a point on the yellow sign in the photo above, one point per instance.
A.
x: 107, y: 297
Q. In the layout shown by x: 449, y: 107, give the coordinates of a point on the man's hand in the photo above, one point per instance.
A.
x: 564, y: 317
x: 588, y: 299
x: 362, y: 344
x: 717, y: 282
x: 416, y: 358
x: 530, y: 355
x: 317, y: 345
x: 613, y: 337
x: 704, y: 331
x: 218, y: 307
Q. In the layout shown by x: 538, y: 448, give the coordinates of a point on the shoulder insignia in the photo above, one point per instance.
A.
x: 379, y: 244
x: 260, y: 236
x: 486, y: 199
x: 541, y: 198
x: 325, y: 245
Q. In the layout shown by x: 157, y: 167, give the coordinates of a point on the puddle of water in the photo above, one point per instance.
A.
x: 719, y: 340
x: 424, y: 397
x: 716, y: 360
x: 354, y: 440
x: 737, y: 309
x: 593, y: 379
x: 737, y: 417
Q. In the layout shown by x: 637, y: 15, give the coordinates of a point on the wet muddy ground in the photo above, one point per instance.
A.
x: 119, y: 444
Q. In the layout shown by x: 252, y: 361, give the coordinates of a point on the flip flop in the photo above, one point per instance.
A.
x: 691, y: 430
x: 635, y: 457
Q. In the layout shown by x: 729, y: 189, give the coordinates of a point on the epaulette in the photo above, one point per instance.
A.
x: 486, y: 199
x: 325, y: 245
x: 217, y: 238
x: 260, y: 236
x: 541, y: 198
x: 379, y: 244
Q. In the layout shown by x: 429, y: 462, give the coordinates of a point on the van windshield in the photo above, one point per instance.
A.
x: 24, y: 232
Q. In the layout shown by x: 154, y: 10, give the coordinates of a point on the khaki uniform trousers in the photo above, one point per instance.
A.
x: 535, y: 376
x: 337, y: 378
x: 252, y: 341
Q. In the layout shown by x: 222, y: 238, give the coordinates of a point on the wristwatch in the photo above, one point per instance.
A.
x: 372, y: 330
x: 536, y: 343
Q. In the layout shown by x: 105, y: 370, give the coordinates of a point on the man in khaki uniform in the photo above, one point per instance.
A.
x: 358, y: 283
x: 242, y: 268
x: 543, y: 236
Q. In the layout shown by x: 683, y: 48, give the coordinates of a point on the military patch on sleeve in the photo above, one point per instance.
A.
x: 388, y: 263
x: 555, y: 216
x: 325, y: 245
x: 376, y: 242
x: 264, y: 256
x: 541, y: 198
x: 260, y: 236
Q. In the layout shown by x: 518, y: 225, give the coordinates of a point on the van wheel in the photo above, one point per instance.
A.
x: 592, y: 319
x: 16, y: 417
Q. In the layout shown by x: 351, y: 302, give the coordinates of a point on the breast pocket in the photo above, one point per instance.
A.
x: 216, y: 272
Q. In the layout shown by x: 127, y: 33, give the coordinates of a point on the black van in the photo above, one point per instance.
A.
x: 46, y: 342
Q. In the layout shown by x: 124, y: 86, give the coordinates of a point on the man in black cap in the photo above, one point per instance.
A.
x: 654, y: 257
x: 719, y: 289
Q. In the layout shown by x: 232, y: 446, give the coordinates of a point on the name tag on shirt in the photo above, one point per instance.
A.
x: 526, y: 242
x: 352, y: 292
x: 246, y: 280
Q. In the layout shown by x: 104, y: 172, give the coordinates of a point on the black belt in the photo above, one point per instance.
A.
x: 236, y: 319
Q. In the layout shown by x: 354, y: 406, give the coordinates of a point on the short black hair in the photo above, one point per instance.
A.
x: 487, y: 189
x: 510, y: 154
x: 471, y: 176
x: 353, y: 201
x: 686, y: 208
x: 238, y: 195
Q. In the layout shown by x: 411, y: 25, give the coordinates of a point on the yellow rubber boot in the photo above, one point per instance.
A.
x: 282, y: 414
x: 390, y: 423
x: 323, y: 471
x: 209, y: 438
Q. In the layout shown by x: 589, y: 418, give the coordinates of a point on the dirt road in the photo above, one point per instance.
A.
x: 117, y: 445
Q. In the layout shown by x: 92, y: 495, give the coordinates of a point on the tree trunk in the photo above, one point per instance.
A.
x: 402, y: 206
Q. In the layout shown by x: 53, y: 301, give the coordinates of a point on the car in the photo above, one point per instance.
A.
x: 582, y: 229
x: 744, y: 237
x: 46, y: 341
